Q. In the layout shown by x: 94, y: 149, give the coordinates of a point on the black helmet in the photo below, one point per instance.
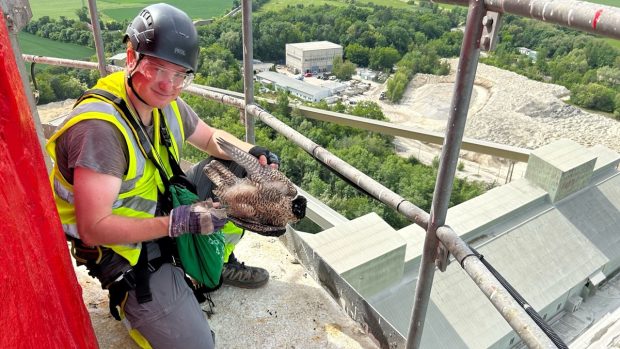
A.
x: 165, y: 32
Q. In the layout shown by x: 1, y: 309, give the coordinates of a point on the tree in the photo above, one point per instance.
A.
x: 82, y: 14
x: 343, y: 70
x: 383, y: 58
x: 358, y: 54
x: 594, y: 96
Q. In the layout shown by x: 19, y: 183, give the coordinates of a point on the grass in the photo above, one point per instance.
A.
x: 613, y: 3
x: 35, y: 45
x: 276, y: 5
x: 127, y: 9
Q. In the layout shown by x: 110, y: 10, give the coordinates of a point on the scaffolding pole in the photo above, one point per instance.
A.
x: 463, y: 86
x: 94, y: 23
x: 248, y: 68
x: 581, y: 15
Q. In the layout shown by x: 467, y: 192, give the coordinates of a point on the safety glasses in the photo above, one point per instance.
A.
x: 158, y: 73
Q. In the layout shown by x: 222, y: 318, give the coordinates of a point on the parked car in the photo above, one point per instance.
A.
x: 308, y: 75
x: 333, y: 77
x: 382, y: 95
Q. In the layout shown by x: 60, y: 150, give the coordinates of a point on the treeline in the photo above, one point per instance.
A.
x: 77, y: 31
x: 589, y: 67
x: 373, y: 36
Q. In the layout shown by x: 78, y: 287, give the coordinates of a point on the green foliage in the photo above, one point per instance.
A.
x: 343, y: 70
x: 358, y: 54
x: 383, y: 58
x: 594, y: 96
x: 422, y: 60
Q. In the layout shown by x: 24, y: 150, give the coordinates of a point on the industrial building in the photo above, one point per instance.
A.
x: 553, y: 235
x: 312, y: 57
x: 296, y: 87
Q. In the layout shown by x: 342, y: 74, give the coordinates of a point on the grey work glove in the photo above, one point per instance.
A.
x: 199, y: 218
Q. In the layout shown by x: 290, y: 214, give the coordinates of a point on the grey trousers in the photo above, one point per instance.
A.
x: 173, y: 319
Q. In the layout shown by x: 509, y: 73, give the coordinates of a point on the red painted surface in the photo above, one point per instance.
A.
x: 40, y: 300
x: 597, y: 16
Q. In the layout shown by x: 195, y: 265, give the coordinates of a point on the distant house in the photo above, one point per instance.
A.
x: 259, y: 66
x: 118, y: 59
x: 530, y: 53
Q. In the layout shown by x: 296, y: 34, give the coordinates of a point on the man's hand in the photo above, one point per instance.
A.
x: 265, y: 157
x: 203, y: 217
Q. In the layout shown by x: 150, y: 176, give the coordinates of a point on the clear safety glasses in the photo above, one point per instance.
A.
x: 156, y: 72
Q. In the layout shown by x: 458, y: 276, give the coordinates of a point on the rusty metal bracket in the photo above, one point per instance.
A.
x: 17, y: 14
x: 491, y: 23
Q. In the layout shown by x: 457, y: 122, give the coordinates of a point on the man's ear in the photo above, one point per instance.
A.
x: 131, y: 59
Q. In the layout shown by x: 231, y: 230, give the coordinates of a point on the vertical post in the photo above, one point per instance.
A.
x: 42, y: 305
x: 94, y: 21
x: 18, y: 14
x: 248, y: 68
x: 463, y: 86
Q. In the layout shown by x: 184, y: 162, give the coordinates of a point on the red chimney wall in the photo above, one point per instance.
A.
x: 40, y: 299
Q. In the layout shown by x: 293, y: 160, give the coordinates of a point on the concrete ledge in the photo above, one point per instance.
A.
x: 379, y: 266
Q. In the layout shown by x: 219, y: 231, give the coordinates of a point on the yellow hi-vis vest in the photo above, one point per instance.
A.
x: 138, y: 193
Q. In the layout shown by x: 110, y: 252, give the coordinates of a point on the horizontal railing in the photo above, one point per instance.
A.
x: 383, y: 127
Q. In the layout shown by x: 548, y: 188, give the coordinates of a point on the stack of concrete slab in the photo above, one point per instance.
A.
x: 366, y: 252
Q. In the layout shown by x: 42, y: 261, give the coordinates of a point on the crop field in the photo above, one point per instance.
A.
x: 35, y: 45
x: 127, y: 9
x: 276, y: 5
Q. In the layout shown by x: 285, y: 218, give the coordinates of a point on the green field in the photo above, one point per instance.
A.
x: 276, y: 5
x: 35, y: 45
x: 614, y: 3
x: 127, y: 9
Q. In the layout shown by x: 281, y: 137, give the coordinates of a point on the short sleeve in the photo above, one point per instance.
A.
x: 188, y: 116
x: 94, y: 144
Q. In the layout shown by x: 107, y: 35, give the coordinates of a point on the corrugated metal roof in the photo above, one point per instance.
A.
x: 286, y: 81
x: 544, y: 251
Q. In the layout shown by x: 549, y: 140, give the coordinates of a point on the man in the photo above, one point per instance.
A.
x: 109, y: 194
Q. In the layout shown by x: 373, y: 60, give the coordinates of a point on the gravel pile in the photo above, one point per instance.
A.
x: 529, y: 114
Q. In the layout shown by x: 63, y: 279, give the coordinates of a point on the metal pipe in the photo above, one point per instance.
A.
x: 71, y: 63
x: 374, y: 188
x: 94, y: 21
x: 248, y: 68
x: 507, y: 306
x: 581, y: 15
x: 463, y: 86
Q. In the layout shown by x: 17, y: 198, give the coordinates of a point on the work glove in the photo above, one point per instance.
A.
x: 272, y: 158
x: 199, y: 218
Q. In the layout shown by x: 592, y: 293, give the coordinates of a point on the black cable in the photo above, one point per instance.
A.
x: 523, y: 303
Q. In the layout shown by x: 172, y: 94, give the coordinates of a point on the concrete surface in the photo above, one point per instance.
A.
x: 292, y: 311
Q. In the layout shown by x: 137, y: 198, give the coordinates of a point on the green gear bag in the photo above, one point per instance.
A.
x: 202, y: 256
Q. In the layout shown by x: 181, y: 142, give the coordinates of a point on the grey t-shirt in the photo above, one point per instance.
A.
x: 100, y: 146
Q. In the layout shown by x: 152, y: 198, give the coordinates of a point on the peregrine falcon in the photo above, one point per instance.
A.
x: 263, y: 202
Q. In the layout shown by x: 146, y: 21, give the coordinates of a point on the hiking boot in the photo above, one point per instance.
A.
x: 238, y: 274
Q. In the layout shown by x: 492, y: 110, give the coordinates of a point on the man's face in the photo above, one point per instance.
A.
x: 159, y: 82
